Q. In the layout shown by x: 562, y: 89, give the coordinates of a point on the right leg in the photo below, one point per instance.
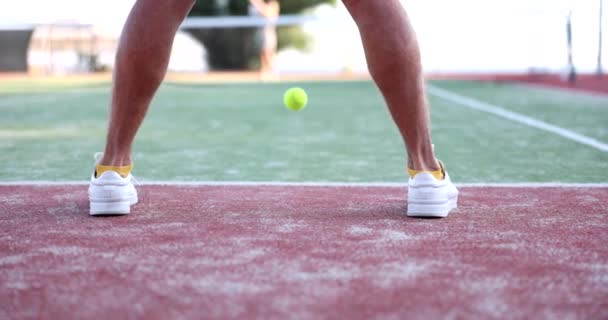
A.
x: 141, y: 64
x: 393, y: 59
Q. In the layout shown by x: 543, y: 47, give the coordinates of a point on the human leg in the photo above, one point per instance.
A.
x: 141, y: 64
x: 394, y: 62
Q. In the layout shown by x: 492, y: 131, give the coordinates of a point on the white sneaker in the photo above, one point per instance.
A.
x: 111, y: 194
x: 429, y: 197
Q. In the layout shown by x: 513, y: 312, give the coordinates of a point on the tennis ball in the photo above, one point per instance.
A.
x: 295, y: 99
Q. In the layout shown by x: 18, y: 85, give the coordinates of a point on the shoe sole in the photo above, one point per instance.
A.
x: 432, y: 210
x: 103, y: 208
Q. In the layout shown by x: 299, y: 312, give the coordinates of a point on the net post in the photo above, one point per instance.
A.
x: 571, y: 68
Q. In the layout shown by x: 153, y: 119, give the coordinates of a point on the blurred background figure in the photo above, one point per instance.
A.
x: 269, y: 9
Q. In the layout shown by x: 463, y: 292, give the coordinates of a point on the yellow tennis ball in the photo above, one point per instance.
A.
x: 295, y: 99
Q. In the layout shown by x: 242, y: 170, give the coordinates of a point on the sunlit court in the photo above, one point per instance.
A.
x: 281, y: 169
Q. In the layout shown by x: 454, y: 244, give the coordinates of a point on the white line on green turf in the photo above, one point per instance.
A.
x: 316, y: 184
x: 517, y: 117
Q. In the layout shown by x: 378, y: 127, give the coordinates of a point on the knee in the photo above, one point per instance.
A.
x: 176, y: 3
x: 360, y: 8
x: 182, y: 6
x: 350, y: 4
x: 179, y: 8
x: 187, y: 3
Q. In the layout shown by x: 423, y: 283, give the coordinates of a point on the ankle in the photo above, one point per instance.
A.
x: 123, y: 171
x: 433, y: 166
x: 423, y: 164
x: 116, y: 159
x: 421, y: 157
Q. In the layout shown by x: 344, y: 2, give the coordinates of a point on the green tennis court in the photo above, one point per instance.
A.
x: 241, y: 132
x: 244, y: 203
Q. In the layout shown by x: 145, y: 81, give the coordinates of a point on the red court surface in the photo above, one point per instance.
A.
x: 585, y: 82
x: 310, y: 252
x: 589, y: 83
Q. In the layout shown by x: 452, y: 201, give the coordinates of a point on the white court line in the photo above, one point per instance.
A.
x: 314, y: 184
x: 501, y: 112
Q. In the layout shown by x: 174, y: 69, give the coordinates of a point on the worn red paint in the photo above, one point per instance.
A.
x: 303, y: 252
x: 584, y: 82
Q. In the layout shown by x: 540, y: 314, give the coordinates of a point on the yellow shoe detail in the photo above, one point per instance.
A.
x: 438, y: 174
x: 123, y: 171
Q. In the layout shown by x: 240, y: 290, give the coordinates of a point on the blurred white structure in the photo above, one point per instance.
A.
x: 468, y: 36
x: 455, y: 36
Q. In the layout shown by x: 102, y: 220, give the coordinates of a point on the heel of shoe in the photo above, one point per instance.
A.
x: 110, y: 208
x: 429, y: 210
